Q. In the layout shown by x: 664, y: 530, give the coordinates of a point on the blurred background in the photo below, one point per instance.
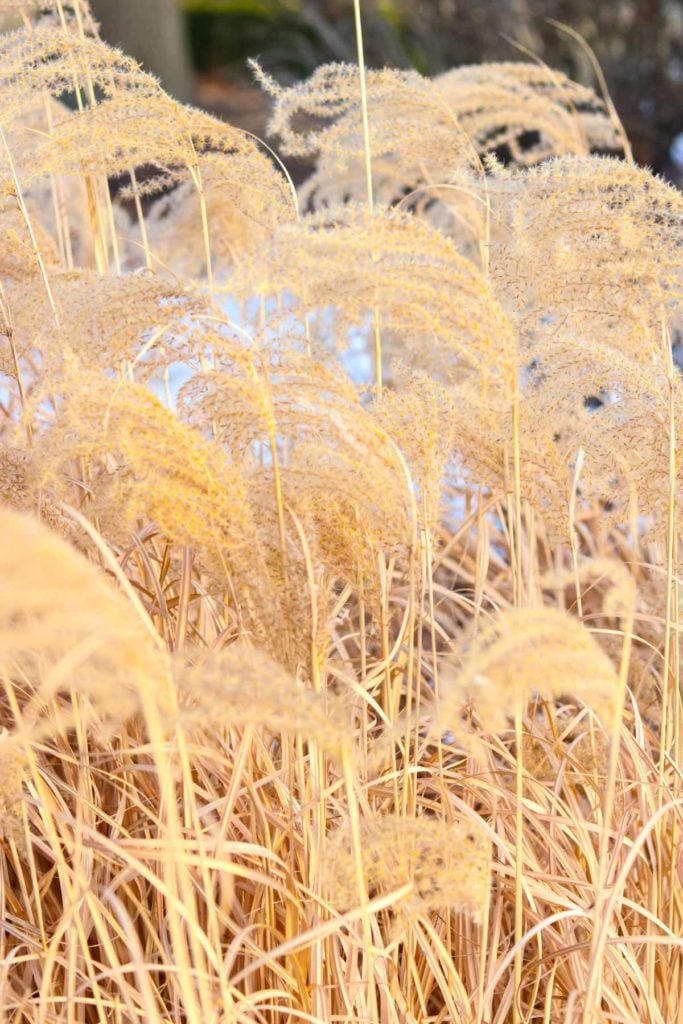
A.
x: 199, y: 49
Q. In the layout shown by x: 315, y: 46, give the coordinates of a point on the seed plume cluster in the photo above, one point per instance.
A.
x: 339, y: 576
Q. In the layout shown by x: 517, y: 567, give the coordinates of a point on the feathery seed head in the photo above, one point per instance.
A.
x: 64, y: 629
x: 239, y: 686
x: 448, y: 863
x: 522, y: 651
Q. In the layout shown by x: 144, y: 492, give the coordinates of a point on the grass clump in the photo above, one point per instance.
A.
x: 339, y: 578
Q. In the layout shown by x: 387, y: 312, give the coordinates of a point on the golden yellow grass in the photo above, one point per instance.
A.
x: 339, y: 561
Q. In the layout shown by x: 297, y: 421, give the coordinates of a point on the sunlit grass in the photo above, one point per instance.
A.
x: 341, y: 678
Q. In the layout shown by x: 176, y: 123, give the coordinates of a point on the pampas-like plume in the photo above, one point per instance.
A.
x: 239, y: 687
x: 12, y: 767
x: 17, y: 251
x: 59, y: 210
x: 138, y: 323
x: 415, y: 138
x: 609, y: 584
x: 133, y: 125
x: 143, y: 464
x: 399, y: 104
x: 499, y: 105
x: 522, y: 651
x: 46, y: 61
x: 391, y: 267
x: 625, y: 440
x: 588, y: 271
x: 421, y: 416
x: 593, y: 251
x: 65, y: 629
x: 448, y: 863
x: 61, y: 11
x: 139, y: 125
x: 425, y: 132
x: 301, y: 416
x: 20, y: 487
x: 245, y: 198
x: 137, y: 463
x: 483, y: 451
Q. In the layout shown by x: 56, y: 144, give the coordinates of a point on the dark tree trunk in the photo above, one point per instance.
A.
x: 153, y: 32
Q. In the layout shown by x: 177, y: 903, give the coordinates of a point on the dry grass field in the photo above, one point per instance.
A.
x: 339, y: 550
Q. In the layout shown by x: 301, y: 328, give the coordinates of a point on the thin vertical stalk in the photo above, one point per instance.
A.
x: 519, y: 853
x: 518, y: 593
x: 141, y: 218
x: 572, y: 531
x: 29, y: 227
x: 598, y: 936
x: 368, y: 175
x: 364, y: 103
x: 671, y: 695
x: 184, y: 595
x: 9, y: 333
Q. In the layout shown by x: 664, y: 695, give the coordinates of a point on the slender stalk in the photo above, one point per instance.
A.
x: 518, y: 592
x: 9, y: 333
x: 368, y: 175
x: 519, y: 854
x: 572, y: 531
x: 29, y: 227
x: 364, y: 103
x: 594, y: 982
